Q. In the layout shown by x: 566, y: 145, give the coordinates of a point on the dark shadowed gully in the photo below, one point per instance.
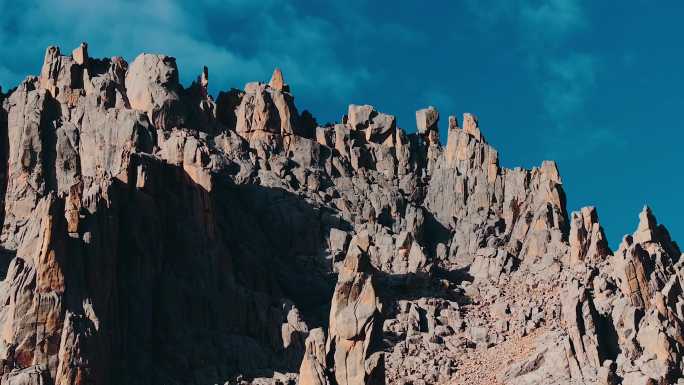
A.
x: 152, y: 235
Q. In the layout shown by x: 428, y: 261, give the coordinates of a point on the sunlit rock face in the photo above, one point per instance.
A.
x: 154, y: 235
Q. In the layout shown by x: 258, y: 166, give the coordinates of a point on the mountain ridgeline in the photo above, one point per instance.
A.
x: 154, y: 235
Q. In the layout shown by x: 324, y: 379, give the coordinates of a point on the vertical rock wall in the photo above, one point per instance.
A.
x: 153, y: 236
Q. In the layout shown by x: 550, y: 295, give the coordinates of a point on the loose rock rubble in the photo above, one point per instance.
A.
x: 154, y: 235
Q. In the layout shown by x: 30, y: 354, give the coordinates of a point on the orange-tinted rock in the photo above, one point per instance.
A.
x: 80, y: 54
x: 277, y: 82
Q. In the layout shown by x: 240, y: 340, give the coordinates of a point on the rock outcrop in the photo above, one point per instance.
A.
x: 152, y: 235
x: 152, y: 87
x: 586, y: 237
x: 313, y: 370
x: 356, y: 324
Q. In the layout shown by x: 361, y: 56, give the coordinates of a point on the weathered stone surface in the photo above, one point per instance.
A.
x: 586, y: 236
x: 153, y: 236
x: 152, y: 87
x: 578, y: 320
x: 377, y: 127
x: 265, y: 115
x: 471, y: 126
x: 426, y: 120
x: 277, y: 82
x: 426, y: 123
x: 355, y: 320
x: 490, y: 264
x: 313, y: 370
x: 80, y: 54
x: 62, y: 77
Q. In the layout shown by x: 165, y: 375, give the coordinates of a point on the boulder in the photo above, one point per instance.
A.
x: 376, y: 126
x: 426, y: 120
x: 152, y: 87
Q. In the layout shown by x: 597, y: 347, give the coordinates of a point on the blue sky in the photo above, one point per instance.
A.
x: 595, y: 85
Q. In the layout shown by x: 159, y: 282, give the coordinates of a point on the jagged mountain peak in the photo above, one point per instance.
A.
x: 152, y: 234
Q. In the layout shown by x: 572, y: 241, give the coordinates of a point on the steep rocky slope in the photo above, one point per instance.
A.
x: 153, y: 235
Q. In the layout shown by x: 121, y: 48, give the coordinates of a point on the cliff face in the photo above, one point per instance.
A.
x: 152, y: 235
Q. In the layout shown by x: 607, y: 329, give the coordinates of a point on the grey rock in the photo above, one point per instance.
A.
x: 152, y: 87
x: 426, y: 120
x: 151, y: 235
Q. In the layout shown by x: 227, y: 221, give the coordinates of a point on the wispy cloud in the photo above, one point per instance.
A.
x: 321, y: 55
x: 564, y: 78
x: 568, y: 81
x: 239, y: 40
x: 551, y: 19
x: 537, y: 21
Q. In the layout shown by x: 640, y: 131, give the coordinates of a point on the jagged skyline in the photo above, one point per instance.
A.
x: 589, y: 92
x: 154, y: 235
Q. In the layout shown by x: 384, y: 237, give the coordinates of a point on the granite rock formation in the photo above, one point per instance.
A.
x: 154, y: 235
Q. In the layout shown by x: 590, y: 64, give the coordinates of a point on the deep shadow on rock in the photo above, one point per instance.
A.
x: 153, y: 236
x: 191, y: 285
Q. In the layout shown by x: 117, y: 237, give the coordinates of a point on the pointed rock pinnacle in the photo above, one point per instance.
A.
x: 277, y: 82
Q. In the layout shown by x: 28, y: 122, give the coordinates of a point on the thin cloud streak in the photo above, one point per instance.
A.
x: 300, y: 44
x: 564, y: 78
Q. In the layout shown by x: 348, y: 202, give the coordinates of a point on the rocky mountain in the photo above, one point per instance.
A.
x: 154, y: 235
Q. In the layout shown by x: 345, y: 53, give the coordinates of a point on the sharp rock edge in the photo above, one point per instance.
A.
x: 154, y: 235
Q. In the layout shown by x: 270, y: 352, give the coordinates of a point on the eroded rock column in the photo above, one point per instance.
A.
x: 356, y: 324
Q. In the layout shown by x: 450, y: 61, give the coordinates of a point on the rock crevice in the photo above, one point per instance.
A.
x: 152, y: 235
